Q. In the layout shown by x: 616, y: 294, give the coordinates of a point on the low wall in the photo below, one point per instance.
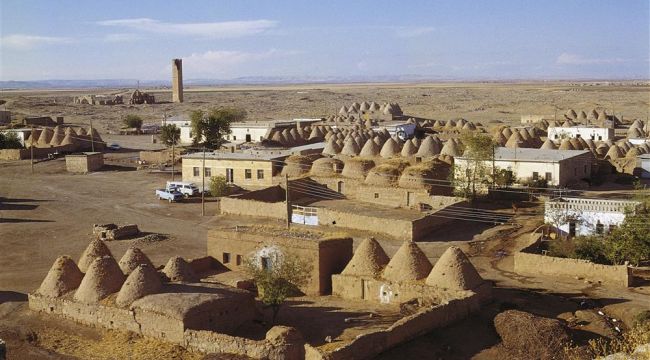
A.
x: 528, y: 263
x: 369, y: 345
x: 21, y: 154
x: 164, y: 328
x: 235, y: 206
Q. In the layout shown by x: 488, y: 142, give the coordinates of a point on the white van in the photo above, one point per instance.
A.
x: 186, y: 188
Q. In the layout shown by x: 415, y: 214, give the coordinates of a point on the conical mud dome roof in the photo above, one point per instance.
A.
x: 370, y: 149
x: 177, y: 269
x: 368, y: 260
x: 450, y: 148
x: 45, y: 137
x: 408, y: 149
x: 350, y: 148
x: 332, y: 147
x: 95, y: 249
x: 454, y: 271
x: 63, y: 277
x: 103, y: 278
x: 390, y: 148
x: 132, y: 258
x: 548, y: 145
x: 142, y: 281
x: 408, y: 264
x: 429, y: 147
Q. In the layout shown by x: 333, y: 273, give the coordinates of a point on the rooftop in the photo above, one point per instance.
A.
x: 538, y: 155
x: 261, y: 156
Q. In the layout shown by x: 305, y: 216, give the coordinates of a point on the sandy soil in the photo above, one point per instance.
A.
x: 474, y: 101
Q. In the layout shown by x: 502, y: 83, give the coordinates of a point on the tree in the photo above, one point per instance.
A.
x: 630, y: 241
x: 277, y: 276
x: 479, y: 152
x: 132, y: 121
x: 504, y: 177
x: 169, y: 134
x: 209, y: 127
x: 10, y: 140
x: 218, y: 186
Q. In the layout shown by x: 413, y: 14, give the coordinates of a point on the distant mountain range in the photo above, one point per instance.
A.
x: 257, y: 80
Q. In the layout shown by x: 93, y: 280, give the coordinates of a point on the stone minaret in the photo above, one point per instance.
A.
x: 177, y: 80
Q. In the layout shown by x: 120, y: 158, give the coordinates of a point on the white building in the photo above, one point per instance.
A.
x: 256, y: 131
x: 21, y: 134
x: 644, y: 164
x: 577, y: 216
x: 585, y: 132
x: 183, y: 123
x: 558, y: 167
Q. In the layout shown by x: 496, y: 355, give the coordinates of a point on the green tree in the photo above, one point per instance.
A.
x: 169, y: 134
x: 630, y: 241
x: 278, y: 276
x: 218, y: 186
x: 504, y: 177
x: 132, y: 121
x: 210, y: 127
x: 10, y: 140
x: 479, y: 153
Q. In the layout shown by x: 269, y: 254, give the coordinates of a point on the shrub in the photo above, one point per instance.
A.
x: 132, y: 121
x: 218, y: 186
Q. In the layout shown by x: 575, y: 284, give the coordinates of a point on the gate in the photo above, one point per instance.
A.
x: 306, y: 215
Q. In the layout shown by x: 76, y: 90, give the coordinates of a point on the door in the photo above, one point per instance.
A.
x: 229, y: 175
x: 340, y: 187
x: 248, y: 137
x: 364, y: 283
x: 572, y: 229
x: 409, y: 198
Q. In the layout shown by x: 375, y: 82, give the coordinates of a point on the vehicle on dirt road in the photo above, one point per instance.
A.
x: 186, y: 188
x: 169, y: 195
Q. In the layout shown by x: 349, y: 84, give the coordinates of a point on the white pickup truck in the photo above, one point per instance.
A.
x: 169, y: 195
x: 186, y: 188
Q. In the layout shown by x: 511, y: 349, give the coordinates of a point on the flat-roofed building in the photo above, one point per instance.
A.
x: 249, y: 171
x: 578, y: 216
x: 586, y: 132
x: 558, y: 167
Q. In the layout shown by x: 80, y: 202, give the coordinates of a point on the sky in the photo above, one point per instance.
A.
x: 451, y: 39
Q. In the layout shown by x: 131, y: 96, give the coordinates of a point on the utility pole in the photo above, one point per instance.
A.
x: 174, y: 158
x: 203, y: 186
x: 31, y: 149
x: 286, y: 179
x: 92, y: 137
x: 494, y: 178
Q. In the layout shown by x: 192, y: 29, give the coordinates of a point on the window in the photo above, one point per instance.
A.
x: 226, y: 258
x: 535, y: 175
x: 196, y: 171
x: 376, y: 195
x: 248, y: 174
x: 239, y: 260
x: 600, y: 137
x: 549, y: 176
x: 207, y: 171
x: 593, y: 137
x: 577, y: 136
x: 230, y: 175
x: 600, y: 228
x: 260, y: 174
x: 234, y: 137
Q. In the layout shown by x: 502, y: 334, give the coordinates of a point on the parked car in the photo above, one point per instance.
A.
x: 186, y: 188
x: 169, y: 195
x: 114, y: 147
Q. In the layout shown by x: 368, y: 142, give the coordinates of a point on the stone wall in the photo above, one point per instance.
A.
x: 166, y: 329
x: 84, y: 163
x: 529, y: 263
x: 369, y: 345
x: 160, y: 157
x: 21, y: 154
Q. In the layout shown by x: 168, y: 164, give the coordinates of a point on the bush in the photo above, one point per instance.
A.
x: 218, y: 186
x: 562, y: 248
x: 10, y: 141
x: 642, y: 318
x: 591, y: 248
x: 132, y: 121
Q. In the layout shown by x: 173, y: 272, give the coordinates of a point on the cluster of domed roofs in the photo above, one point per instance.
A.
x: 370, y: 108
x: 98, y: 275
x: 639, y: 129
x: 453, y: 271
x: 65, y: 138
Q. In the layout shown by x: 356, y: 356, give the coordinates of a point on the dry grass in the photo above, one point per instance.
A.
x: 626, y: 344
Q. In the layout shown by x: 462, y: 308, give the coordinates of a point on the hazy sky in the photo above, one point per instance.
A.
x: 496, y: 39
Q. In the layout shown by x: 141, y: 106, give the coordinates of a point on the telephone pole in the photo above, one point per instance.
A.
x: 174, y: 158
x: 92, y: 137
x: 286, y: 179
x: 31, y: 149
x: 203, y: 186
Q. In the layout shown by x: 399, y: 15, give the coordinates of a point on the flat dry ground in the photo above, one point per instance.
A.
x: 474, y: 101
